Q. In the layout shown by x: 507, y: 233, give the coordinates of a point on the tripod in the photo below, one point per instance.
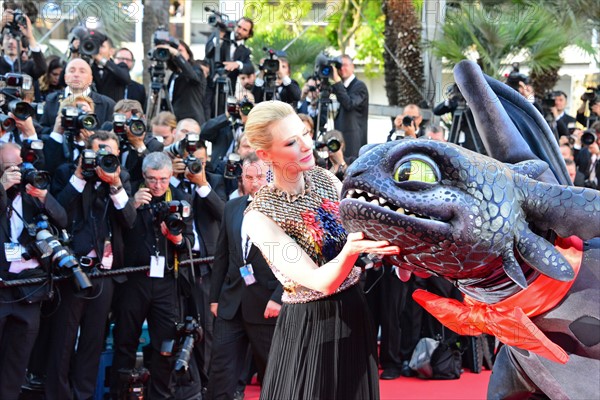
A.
x: 158, y: 100
x: 463, y: 130
x: 324, y: 108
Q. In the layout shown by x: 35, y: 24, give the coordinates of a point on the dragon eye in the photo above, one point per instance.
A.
x: 416, y: 170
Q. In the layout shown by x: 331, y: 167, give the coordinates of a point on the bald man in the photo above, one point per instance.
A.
x: 78, y: 77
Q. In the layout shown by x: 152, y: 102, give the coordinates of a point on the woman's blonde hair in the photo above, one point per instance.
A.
x: 260, y: 119
x: 71, y: 101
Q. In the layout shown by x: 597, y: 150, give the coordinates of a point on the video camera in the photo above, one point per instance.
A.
x: 592, y: 95
x: 171, y: 212
x: 102, y: 158
x: 220, y: 20
x: 160, y: 37
x: 270, y: 65
x: 51, y: 252
x: 324, y: 65
x: 74, y: 119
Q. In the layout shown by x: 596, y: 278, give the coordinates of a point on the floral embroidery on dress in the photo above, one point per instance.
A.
x: 326, y: 230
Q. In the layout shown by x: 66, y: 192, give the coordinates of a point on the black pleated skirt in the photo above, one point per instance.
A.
x: 323, y: 350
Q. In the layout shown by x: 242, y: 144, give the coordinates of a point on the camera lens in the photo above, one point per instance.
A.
x: 193, y: 164
x: 588, y: 138
x: 137, y: 127
x: 109, y: 163
x: 408, y: 120
x: 174, y: 224
x: 88, y: 122
x: 333, y: 145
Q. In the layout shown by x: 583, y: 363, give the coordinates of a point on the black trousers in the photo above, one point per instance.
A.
x: 19, y: 324
x: 71, y: 372
x: 230, y: 344
x: 156, y: 300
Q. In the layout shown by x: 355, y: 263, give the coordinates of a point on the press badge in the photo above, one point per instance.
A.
x: 157, y: 267
x: 248, y: 274
x: 12, y: 251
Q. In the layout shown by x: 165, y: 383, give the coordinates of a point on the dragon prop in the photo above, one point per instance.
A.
x: 508, y: 231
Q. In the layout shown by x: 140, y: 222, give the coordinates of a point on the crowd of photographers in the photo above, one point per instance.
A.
x: 100, y: 174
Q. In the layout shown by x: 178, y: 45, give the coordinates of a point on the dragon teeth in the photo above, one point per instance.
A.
x: 358, y: 191
x: 374, y: 202
x: 382, y: 201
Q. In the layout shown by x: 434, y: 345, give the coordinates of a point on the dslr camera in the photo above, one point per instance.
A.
x: 14, y: 85
x: 324, y: 66
x: 233, y: 167
x: 161, y: 36
x: 52, y: 254
x: 37, y: 179
x: 171, y: 212
x: 332, y: 145
x: 188, y: 144
x: 74, y: 119
x: 102, y: 158
x: 31, y: 149
x: 136, y: 125
x: 188, y: 333
x: 237, y: 109
x: 18, y: 21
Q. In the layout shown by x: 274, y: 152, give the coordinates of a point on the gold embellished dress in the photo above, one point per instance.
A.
x: 324, y: 346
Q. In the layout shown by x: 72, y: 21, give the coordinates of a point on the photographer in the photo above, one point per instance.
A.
x: 353, y: 96
x: 22, y: 113
x: 591, y: 99
x: 332, y: 144
x: 234, y: 55
x: 110, y: 79
x: 187, y: 84
x: 207, y: 190
x: 588, y: 158
x: 78, y: 77
x: 284, y: 89
x: 407, y: 124
x: 135, y: 143
x: 309, y: 97
x: 564, y: 122
x: 163, y: 127
x: 135, y: 90
x: 68, y: 136
x: 97, y: 194
x: 20, y: 30
x: 155, y: 295
x: 20, y: 307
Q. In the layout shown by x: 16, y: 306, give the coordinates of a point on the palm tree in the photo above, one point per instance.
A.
x: 404, y: 66
x: 495, y: 35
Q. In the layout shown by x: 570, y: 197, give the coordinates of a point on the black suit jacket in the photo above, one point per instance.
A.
x: 104, y: 108
x: 35, y: 67
x: 219, y: 133
x: 31, y: 207
x: 353, y: 114
x: 289, y: 94
x: 136, y: 91
x: 227, y: 286
x: 188, y: 91
x: 241, y: 53
x: 88, y: 223
x: 562, y: 124
x: 113, y: 81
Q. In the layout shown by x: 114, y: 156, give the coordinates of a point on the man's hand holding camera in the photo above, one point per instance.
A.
x: 11, y: 177
x: 174, y: 52
x: 24, y: 126
x: 175, y: 239
x: 142, y: 197
x: 198, y: 179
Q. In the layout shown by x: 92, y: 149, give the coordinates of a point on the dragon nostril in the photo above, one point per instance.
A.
x: 356, y: 172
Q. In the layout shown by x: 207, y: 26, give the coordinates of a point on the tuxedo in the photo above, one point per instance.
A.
x: 219, y: 132
x: 35, y: 67
x: 353, y: 115
x: 19, y: 321
x: 112, y: 79
x: 136, y: 91
x: 157, y: 299
x: 104, y: 108
x: 287, y: 93
x: 240, y: 317
x: 187, y: 86
x: 562, y: 124
x: 94, y: 221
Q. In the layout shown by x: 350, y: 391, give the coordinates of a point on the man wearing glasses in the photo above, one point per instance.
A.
x: 135, y: 90
x: 155, y: 295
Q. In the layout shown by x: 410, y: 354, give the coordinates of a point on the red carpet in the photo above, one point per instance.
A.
x: 469, y: 387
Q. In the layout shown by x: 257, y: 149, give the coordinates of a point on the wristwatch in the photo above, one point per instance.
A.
x: 115, y: 189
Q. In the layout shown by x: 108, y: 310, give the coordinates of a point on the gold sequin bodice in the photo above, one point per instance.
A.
x: 312, y: 219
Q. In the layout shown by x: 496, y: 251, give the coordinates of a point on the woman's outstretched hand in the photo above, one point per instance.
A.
x: 356, y: 244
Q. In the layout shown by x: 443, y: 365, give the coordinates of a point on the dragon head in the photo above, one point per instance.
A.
x: 461, y: 215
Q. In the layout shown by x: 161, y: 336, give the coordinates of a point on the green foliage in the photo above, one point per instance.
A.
x: 495, y: 35
x: 284, y: 27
